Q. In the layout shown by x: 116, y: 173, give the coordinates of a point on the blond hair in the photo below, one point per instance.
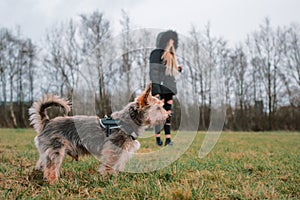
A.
x: 169, y: 59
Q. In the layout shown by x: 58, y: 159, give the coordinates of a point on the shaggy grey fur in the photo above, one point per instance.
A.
x: 81, y: 135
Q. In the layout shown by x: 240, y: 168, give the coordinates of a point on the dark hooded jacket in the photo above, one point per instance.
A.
x: 162, y: 83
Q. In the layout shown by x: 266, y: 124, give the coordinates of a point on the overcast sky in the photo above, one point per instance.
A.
x: 232, y: 19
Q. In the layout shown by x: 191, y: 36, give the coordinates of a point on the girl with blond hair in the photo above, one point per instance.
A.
x: 163, y: 70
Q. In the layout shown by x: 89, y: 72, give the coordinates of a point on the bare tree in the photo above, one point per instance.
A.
x: 12, y: 58
x: 32, y: 54
x: 292, y: 53
x: 71, y: 55
x: 198, y: 76
x: 95, y: 35
x: 62, y: 58
x: 128, y: 44
x: 239, y: 69
x: 3, y: 72
x: 268, y: 49
x: 53, y: 60
x: 14, y: 73
x: 143, y: 52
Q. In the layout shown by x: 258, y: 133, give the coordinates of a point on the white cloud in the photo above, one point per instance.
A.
x: 232, y: 19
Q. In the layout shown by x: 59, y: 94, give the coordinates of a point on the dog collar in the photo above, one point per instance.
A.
x: 133, y: 135
x: 128, y: 129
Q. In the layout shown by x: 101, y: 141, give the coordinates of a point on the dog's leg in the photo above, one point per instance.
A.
x: 126, y: 154
x: 115, y: 158
x: 53, y: 164
x: 42, y: 159
x: 40, y: 164
x: 109, y: 157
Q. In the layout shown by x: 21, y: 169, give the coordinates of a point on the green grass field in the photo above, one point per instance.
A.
x: 241, y: 166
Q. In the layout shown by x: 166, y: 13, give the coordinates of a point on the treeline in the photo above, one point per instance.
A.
x: 260, y: 76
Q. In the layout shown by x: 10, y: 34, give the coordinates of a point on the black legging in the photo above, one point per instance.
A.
x: 167, y: 107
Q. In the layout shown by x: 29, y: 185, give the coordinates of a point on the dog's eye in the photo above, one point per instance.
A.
x: 157, y: 108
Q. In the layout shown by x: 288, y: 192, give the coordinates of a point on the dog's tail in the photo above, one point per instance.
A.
x: 38, y: 115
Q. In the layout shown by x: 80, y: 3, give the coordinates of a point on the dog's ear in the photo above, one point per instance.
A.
x: 145, y: 97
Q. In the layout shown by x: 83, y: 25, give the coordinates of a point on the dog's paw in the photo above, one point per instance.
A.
x: 137, y: 146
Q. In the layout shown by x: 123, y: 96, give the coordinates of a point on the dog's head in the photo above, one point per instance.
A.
x: 151, y: 108
x: 145, y: 110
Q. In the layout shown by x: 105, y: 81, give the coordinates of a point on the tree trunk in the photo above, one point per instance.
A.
x: 11, y: 107
x: 3, y: 81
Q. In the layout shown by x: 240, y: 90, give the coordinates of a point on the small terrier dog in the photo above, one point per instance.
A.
x: 81, y: 135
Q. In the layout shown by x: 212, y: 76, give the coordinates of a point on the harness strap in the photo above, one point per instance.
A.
x: 108, y: 124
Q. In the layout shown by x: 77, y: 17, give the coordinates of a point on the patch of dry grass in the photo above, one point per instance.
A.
x: 241, y: 166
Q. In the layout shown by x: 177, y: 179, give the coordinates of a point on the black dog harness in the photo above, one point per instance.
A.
x: 108, y: 124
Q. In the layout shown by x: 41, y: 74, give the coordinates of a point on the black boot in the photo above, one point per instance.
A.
x: 158, y: 141
x: 168, y: 142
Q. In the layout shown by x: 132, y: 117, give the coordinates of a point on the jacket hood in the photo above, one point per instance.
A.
x: 164, y: 37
